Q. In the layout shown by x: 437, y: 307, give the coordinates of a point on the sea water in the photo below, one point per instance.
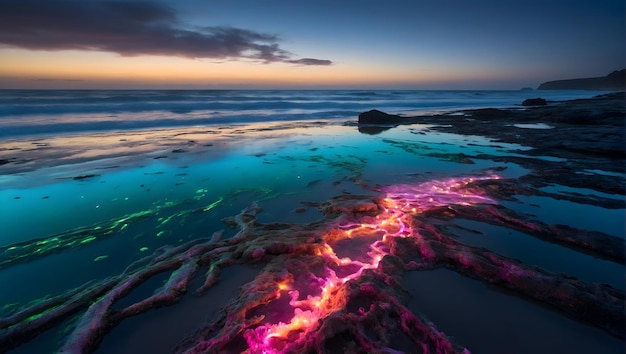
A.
x: 165, y: 167
x: 27, y: 112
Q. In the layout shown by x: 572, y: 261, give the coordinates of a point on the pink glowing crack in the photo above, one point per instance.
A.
x: 400, y: 204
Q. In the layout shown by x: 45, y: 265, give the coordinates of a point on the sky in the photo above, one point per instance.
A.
x: 288, y: 44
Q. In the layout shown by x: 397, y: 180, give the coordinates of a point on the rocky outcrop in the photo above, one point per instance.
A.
x: 614, y: 81
x: 377, y: 117
x: 534, y: 102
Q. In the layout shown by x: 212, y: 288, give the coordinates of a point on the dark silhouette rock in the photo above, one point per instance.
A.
x: 373, y: 129
x: 377, y: 117
x: 614, y: 81
x: 534, y: 102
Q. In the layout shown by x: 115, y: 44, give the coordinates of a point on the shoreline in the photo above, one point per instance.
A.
x: 65, y: 148
x: 374, y: 219
x: 72, y: 148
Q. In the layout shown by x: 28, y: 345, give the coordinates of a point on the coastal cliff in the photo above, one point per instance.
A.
x: 614, y: 81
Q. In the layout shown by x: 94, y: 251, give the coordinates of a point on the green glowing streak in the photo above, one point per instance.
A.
x: 37, y: 315
x: 143, y: 249
x: 160, y: 233
x: 213, y: 205
x: 87, y: 240
x: 166, y: 220
x: 122, y: 221
x: 83, y: 236
x: 46, y: 241
x: 79, y: 237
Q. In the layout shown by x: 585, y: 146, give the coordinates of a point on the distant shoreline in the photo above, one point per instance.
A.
x: 613, y: 81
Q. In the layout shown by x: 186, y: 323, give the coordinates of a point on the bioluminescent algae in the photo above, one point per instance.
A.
x: 334, y: 279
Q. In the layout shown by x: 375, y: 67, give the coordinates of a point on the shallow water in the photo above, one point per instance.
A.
x: 150, y: 197
x: 173, y: 324
x: 489, y: 321
x: 545, y: 255
x: 301, y: 165
x: 588, y: 217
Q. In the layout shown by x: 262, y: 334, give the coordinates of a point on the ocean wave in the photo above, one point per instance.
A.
x: 56, y: 111
x: 113, y: 124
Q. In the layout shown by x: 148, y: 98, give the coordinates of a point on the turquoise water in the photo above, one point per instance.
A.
x: 278, y: 171
x: 295, y: 164
x: 167, y: 197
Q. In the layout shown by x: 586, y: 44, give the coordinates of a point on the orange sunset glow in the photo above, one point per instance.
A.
x: 80, y: 69
x: 194, y: 44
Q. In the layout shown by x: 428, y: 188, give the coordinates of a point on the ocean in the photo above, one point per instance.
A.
x: 99, y: 184
x: 33, y: 112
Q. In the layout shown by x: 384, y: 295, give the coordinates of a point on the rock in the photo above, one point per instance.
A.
x: 613, y: 81
x: 377, y: 117
x: 487, y: 113
x: 373, y: 130
x: 534, y: 102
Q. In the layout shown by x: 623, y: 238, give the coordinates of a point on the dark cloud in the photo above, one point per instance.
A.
x: 130, y: 29
x: 310, y: 61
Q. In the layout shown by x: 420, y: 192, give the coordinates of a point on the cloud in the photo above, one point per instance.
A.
x: 131, y: 29
x: 310, y: 61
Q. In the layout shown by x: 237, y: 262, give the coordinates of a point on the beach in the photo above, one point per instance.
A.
x: 276, y: 222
